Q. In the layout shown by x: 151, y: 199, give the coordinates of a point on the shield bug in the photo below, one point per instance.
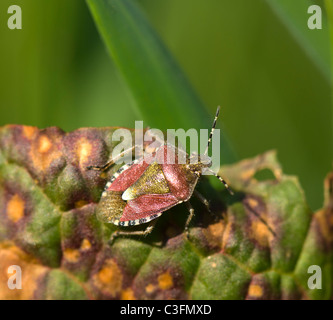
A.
x: 140, y: 191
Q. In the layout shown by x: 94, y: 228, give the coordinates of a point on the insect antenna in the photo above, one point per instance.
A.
x: 222, y: 180
x: 213, y: 128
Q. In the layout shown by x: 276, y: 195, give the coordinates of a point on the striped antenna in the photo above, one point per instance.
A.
x: 213, y: 128
x: 222, y: 180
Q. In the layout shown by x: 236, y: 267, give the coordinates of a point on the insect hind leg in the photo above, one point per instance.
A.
x: 145, y: 232
x: 189, y: 218
x: 112, y: 161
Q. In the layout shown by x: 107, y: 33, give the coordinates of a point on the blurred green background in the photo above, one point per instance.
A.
x: 266, y: 69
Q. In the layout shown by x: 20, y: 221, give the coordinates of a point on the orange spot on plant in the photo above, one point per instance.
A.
x: 83, y: 150
x: 109, y: 278
x: 258, y: 228
x: 127, y: 294
x: 214, y: 233
x: 85, y: 245
x: 150, y: 288
x: 72, y: 255
x: 253, y: 203
x: 29, y: 131
x: 44, y: 150
x: 32, y: 273
x: 15, y: 208
x: 248, y: 174
x: 255, y: 291
x: 259, y: 233
x: 226, y: 235
x: 165, y: 281
x: 217, y: 229
x: 44, y: 144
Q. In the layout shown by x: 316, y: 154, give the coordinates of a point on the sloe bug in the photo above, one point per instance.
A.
x: 140, y: 191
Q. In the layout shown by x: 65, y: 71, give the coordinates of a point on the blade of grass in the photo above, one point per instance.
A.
x: 294, y: 14
x: 329, y: 11
x: 164, y: 97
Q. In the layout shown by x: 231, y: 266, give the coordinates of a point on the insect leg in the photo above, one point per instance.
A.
x: 202, y: 199
x: 145, y: 232
x: 112, y: 161
x: 189, y: 218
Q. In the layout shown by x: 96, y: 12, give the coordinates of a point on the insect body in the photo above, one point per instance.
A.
x: 140, y: 191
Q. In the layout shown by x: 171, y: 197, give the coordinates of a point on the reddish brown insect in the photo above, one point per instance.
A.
x: 140, y: 191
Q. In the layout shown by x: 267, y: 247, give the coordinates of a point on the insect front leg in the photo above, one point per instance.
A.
x: 145, y: 232
x: 202, y: 199
x: 112, y: 161
x: 189, y: 218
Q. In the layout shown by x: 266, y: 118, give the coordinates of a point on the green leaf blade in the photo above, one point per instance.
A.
x: 163, y: 95
x: 315, y: 43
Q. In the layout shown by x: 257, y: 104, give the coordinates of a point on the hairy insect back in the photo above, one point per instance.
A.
x: 110, y: 208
